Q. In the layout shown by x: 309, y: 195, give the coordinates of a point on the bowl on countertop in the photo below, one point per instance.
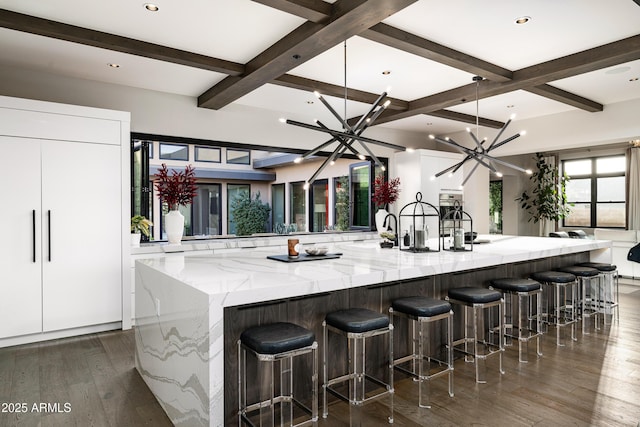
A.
x: 316, y: 250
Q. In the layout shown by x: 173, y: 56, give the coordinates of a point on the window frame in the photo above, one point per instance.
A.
x: 593, y: 178
x: 197, y: 148
x: 161, y: 157
x: 239, y: 150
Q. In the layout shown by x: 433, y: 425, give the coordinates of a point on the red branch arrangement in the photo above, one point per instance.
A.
x: 385, y: 192
x: 179, y: 188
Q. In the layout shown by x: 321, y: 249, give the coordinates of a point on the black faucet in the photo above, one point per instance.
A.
x: 388, y: 227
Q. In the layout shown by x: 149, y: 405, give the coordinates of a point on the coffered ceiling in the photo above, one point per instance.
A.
x: 271, y: 54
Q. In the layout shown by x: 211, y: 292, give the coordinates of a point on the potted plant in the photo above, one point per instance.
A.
x: 388, y: 239
x: 384, y: 193
x: 546, y: 202
x: 175, y: 189
x: 139, y: 225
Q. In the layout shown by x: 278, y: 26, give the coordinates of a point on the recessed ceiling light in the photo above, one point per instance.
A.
x: 151, y: 7
x: 386, y: 72
x: 510, y: 106
x: 633, y: 79
x: 618, y: 70
x: 309, y: 102
x: 522, y: 20
x: 113, y: 65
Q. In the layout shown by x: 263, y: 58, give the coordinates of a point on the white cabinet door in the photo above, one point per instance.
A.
x: 20, y: 255
x: 81, y: 202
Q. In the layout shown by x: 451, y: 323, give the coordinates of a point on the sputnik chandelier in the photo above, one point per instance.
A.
x: 479, y: 153
x: 346, y: 137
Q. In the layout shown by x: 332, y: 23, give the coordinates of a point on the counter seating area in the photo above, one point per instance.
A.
x: 188, y: 323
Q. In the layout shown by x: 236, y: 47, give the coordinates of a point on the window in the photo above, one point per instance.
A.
x: 238, y: 157
x: 206, y: 210
x: 319, y: 196
x: 207, y: 154
x: 234, y: 190
x: 360, y: 180
x: 298, y: 208
x: 597, y: 190
x: 341, y: 197
x: 174, y: 151
x: 495, y: 207
x: 277, y: 205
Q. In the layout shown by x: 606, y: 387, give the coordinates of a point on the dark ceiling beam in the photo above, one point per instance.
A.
x: 466, y: 118
x: 337, y: 91
x: 615, y: 53
x: 311, y: 10
x: 349, y: 17
x: 310, y: 85
x: 402, y: 40
x: 71, y: 33
x: 565, y: 97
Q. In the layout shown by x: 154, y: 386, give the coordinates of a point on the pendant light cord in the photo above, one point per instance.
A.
x: 345, y: 80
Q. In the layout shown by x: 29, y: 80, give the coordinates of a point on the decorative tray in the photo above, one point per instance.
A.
x: 303, y: 257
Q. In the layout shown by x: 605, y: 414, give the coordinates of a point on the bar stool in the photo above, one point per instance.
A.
x: 479, y: 301
x: 588, y: 293
x: 422, y: 312
x: 276, y: 342
x: 357, y: 324
x: 609, y: 294
x: 523, y: 310
x: 559, y: 294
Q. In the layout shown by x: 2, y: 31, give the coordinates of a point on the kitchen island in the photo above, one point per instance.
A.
x: 190, y: 310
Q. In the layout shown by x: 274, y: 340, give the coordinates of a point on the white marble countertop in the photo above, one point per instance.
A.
x: 218, y: 243
x: 246, y: 276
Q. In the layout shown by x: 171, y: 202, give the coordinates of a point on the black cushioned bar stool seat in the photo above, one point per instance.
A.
x: 515, y: 284
x: 588, y: 293
x: 357, y: 325
x: 600, y: 266
x: 357, y: 320
x: 421, y: 306
x: 553, y: 276
x: 424, y: 316
x: 270, y: 343
x: 277, y: 338
x: 476, y: 302
x: 523, y: 312
x: 609, y: 294
x: 559, y: 295
x: 475, y: 295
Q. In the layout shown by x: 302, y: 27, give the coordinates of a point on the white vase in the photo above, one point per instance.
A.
x: 380, y: 216
x: 135, y: 239
x: 174, y: 226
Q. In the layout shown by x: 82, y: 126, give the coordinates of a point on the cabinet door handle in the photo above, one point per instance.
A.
x: 49, y: 232
x: 33, y: 230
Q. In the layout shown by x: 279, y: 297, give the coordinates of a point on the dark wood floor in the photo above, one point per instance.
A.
x: 91, y: 381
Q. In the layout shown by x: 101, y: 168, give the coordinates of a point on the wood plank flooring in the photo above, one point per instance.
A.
x: 91, y: 381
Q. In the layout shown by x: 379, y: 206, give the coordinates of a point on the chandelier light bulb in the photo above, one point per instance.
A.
x: 306, y: 186
x: 432, y: 137
x: 528, y: 171
x: 333, y: 162
x: 523, y: 132
x: 386, y: 103
x: 382, y: 168
x: 282, y: 120
x: 317, y: 94
x: 297, y: 160
x: 499, y: 174
x: 513, y: 116
x: 432, y: 178
x: 361, y: 156
x: 450, y: 175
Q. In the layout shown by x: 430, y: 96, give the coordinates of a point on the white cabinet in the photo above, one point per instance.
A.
x: 416, y: 169
x: 64, y: 218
